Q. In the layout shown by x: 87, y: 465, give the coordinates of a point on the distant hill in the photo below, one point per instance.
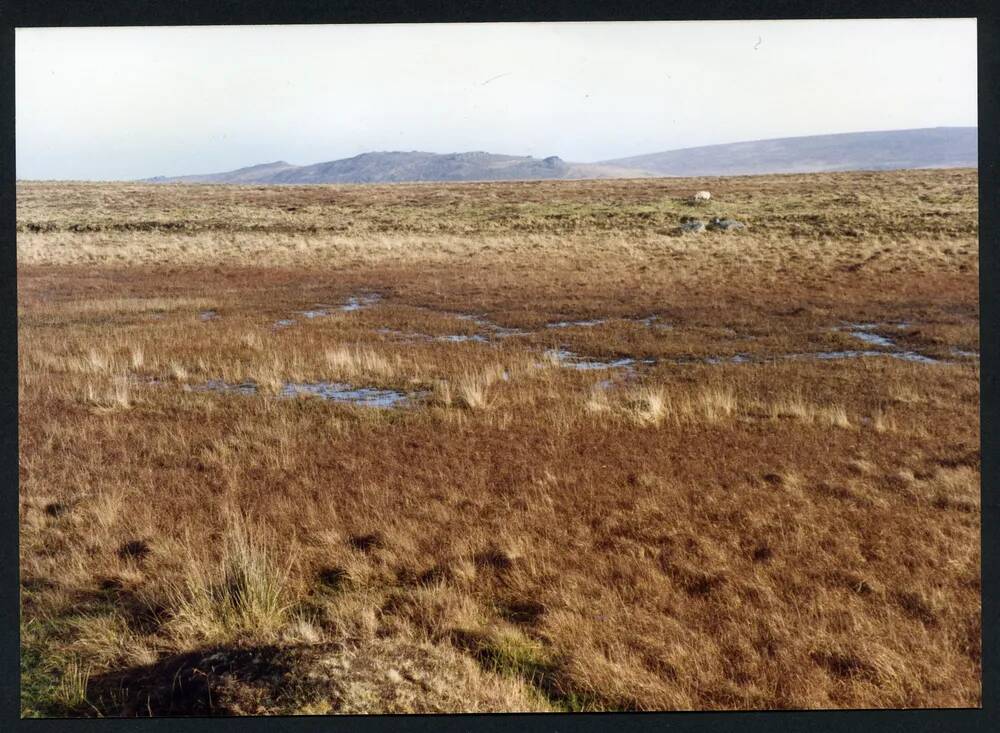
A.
x: 391, y: 167
x: 938, y: 147
x: 935, y: 147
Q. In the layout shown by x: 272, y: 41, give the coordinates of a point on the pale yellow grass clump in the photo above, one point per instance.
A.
x: 957, y: 487
x: 649, y: 406
x: 178, y: 371
x: 137, y: 358
x: 246, y: 592
x: 441, y: 393
x: 836, y: 416
x: 794, y: 407
x: 252, y: 340
x: 107, y: 639
x: 113, y: 306
x: 98, y: 361
x: 360, y: 363
x: 597, y: 402
x: 473, y: 387
x: 116, y: 396
x: 715, y: 403
x: 72, y: 688
x: 904, y: 393
x: 302, y: 628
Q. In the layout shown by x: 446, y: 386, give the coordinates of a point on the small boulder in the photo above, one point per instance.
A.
x: 692, y: 226
x: 725, y: 225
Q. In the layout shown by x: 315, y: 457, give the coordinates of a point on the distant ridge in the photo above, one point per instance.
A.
x: 932, y: 147
x: 397, y: 166
x: 936, y: 147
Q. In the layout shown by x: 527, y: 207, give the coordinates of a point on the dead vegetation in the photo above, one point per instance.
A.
x: 676, y: 534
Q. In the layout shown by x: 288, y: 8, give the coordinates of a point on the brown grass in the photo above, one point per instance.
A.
x: 785, y: 533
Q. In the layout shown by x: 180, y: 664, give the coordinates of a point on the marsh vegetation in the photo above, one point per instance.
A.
x: 404, y: 499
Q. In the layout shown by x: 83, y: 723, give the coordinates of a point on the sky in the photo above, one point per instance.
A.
x: 127, y: 103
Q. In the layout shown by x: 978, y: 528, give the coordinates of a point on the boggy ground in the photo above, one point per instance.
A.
x: 682, y: 531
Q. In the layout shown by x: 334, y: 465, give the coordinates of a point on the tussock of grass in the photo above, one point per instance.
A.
x: 649, y: 406
x: 473, y: 388
x: 137, y: 358
x: 597, y: 402
x: 359, y: 363
x: 97, y: 362
x: 116, y: 396
x: 179, y: 372
x: 441, y: 393
x: 71, y: 692
x: 245, y: 593
x: 836, y: 416
x: 714, y: 404
x: 106, y: 639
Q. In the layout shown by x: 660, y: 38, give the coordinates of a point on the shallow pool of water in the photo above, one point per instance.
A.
x: 334, y: 391
x: 571, y: 360
x: 857, y: 354
x: 357, y: 302
x: 217, y: 385
x: 570, y: 324
x: 340, y: 392
x: 735, y: 359
x: 316, y: 312
x: 461, y: 337
x: 873, y: 338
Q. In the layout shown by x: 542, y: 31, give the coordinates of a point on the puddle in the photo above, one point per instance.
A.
x: 340, y: 392
x: 570, y: 324
x: 911, y: 356
x: 899, y: 325
x: 575, y: 361
x: 357, y: 302
x: 208, y: 315
x: 853, y: 354
x: 648, y: 321
x: 217, y: 385
x: 863, y: 332
x: 334, y: 391
x: 145, y: 379
x: 318, y: 311
x: 651, y: 322
x: 962, y: 352
x: 503, y: 332
x: 459, y: 338
x: 498, y: 331
x: 737, y: 359
x: 450, y: 337
x: 284, y: 323
x: 353, y: 303
x: 873, y: 338
x: 408, y: 335
x: 914, y: 356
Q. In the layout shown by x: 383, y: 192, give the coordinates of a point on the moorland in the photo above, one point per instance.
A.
x: 514, y: 446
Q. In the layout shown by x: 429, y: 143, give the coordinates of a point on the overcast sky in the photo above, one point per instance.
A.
x: 124, y: 103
